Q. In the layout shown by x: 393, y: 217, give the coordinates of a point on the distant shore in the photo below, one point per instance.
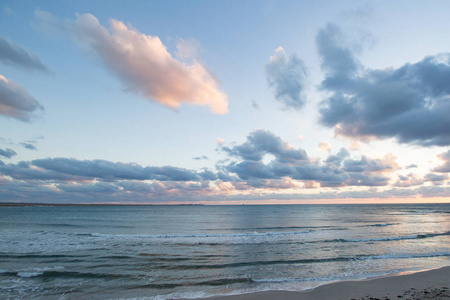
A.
x: 20, y: 204
x: 431, y: 284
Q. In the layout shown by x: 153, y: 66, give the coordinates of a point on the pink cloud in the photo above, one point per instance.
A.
x: 143, y: 63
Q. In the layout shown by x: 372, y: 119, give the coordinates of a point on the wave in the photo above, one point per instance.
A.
x: 171, y: 236
x: 62, y: 274
x: 298, y: 261
x: 284, y: 228
x: 215, y: 282
x: 203, y: 239
x: 281, y: 237
x: 380, y: 225
x: 31, y: 255
x: 395, y: 238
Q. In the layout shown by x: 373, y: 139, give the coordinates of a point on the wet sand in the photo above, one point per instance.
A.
x: 431, y: 284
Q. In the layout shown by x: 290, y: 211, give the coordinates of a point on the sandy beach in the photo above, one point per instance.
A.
x: 431, y: 284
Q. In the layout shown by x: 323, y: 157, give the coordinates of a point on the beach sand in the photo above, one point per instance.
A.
x: 432, y: 284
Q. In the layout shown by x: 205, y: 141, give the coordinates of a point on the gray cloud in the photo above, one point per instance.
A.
x: 67, y: 169
x: 8, y: 153
x: 28, y: 146
x: 411, y: 166
x: 13, y: 54
x: 409, y: 103
x: 433, y: 191
x: 287, y: 76
x: 203, y: 157
x: 16, y: 102
x: 436, y: 179
x: 254, y: 169
x: 445, y: 167
x: 27, y: 171
x: 337, y: 170
x: 262, y: 142
x: 408, y: 180
x: 89, y: 188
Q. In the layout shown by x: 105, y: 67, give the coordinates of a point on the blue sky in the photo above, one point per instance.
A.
x: 224, y: 101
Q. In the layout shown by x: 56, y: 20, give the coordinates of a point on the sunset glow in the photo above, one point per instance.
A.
x: 224, y: 102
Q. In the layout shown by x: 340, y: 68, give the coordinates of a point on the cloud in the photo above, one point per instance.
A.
x: 48, y: 24
x: 408, y: 180
x: 16, y: 102
x: 262, y: 142
x: 410, y: 103
x: 412, y: 166
x: 436, y: 179
x: 445, y: 157
x: 143, y: 63
x: 188, y: 49
x: 324, y: 147
x: 434, y: 191
x: 13, y: 54
x: 88, y: 188
x: 220, y: 141
x: 365, y: 164
x: 8, y: 153
x: 287, y: 76
x: 288, y: 162
x: 79, y: 170
x: 203, y: 157
x: 28, y: 146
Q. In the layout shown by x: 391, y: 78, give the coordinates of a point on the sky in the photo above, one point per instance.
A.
x: 224, y: 102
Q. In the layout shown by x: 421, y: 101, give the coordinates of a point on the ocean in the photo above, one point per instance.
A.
x: 165, y: 252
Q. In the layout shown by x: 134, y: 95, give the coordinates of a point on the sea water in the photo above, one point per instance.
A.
x: 164, y: 252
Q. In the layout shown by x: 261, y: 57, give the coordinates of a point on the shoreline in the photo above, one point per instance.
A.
x: 423, y: 284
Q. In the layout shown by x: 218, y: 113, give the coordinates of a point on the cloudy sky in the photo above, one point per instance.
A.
x: 224, y: 102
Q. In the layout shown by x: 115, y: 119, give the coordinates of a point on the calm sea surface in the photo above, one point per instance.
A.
x: 161, y: 252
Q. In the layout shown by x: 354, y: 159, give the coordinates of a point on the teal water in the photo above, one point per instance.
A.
x: 162, y: 252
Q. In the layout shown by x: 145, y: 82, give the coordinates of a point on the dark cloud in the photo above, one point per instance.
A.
x: 28, y: 146
x: 262, y: 142
x: 16, y: 102
x: 288, y: 162
x: 410, y: 103
x: 89, y: 188
x: 337, y: 60
x: 8, y: 153
x: 106, y: 170
x: 27, y: 171
x: 445, y: 167
x: 67, y: 169
x: 262, y: 164
x: 208, y: 175
x: 13, y: 54
x: 287, y: 76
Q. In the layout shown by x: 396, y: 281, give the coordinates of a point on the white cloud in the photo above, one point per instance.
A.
x: 324, y: 147
x: 220, y: 141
